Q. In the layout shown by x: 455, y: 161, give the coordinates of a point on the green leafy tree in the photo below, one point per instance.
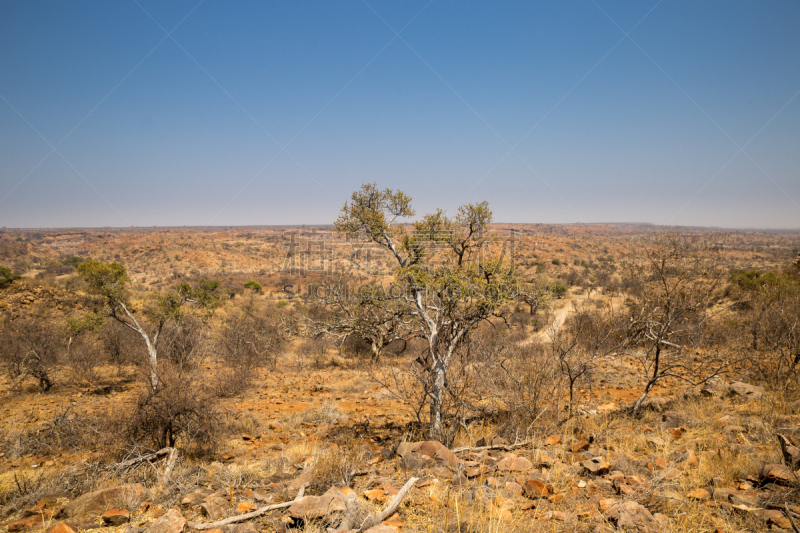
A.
x: 6, y: 277
x: 447, y: 279
x: 109, y: 282
x: 254, y: 285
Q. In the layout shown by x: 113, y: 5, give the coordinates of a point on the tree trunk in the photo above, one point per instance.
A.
x: 152, y: 356
x: 437, y: 392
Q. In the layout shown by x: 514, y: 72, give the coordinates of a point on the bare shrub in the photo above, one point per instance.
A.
x: 337, y: 465
x: 121, y: 344
x: 84, y: 357
x: 31, y: 348
x: 185, y: 343
x: 248, y: 340
x: 177, y: 413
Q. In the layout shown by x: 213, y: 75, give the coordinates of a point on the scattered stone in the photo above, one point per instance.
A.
x: 514, y: 463
x: 318, y: 506
x: 552, y: 440
x: 700, y: 495
x: 93, y: 504
x: 172, y: 522
x: 746, y: 391
x: 535, y: 488
x: 60, y: 527
x: 25, y: 523
x: 116, y: 517
x: 773, y: 516
x: 778, y: 474
x: 579, y: 447
x: 597, y: 466
x: 631, y: 515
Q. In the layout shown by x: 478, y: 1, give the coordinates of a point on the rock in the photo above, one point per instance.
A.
x: 319, y: 506
x: 381, y: 528
x: 215, y: 507
x: 306, y: 476
x: 631, y: 515
x: 597, y: 466
x: 655, y: 403
x: 579, y: 447
x: 791, y: 453
x: 778, y: 474
x: 25, y: 523
x: 195, y: 497
x: 749, y: 498
x: 535, y: 488
x: 116, y: 517
x: 746, y: 391
x: 773, y: 516
x: 514, y: 463
x: 172, y: 522
x: 715, y: 386
x: 95, y: 503
x: 375, y: 495
x: 418, y: 455
x: 60, y: 527
x: 700, y: 495
x: 552, y: 440
x: 605, y: 504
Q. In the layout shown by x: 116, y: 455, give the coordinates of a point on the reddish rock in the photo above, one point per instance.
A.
x: 535, y: 488
x: 60, y: 527
x: 95, y: 503
x: 25, y: 523
x: 700, y: 495
x: 116, y: 517
x: 579, y: 447
x: 513, y: 463
x: 172, y: 522
x: 552, y: 440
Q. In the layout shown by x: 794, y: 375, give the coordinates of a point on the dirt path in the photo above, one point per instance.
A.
x: 545, y: 334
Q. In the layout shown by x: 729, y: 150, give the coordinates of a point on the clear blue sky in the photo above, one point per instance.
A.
x: 273, y: 112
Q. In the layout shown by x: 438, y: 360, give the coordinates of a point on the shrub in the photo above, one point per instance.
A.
x: 556, y: 261
x: 30, y: 348
x: 6, y: 277
x: 176, y: 413
x: 256, y: 286
x: 558, y: 290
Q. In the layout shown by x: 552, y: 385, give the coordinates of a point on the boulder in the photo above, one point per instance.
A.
x: 778, y: 474
x: 699, y: 494
x: 319, y: 506
x: 514, y: 463
x: 60, y: 527
x: 746, y: 391
x: 630, y: 515
x: 597, y: 466
x: 96, y: 503
x: 172, y: 522
x: 116, y: 517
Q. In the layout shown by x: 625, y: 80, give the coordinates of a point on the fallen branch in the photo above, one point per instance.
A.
x: 252, y: 514
x: 374, y: 520
x: 504, y: 447
x: 789, y: 516
x: 159, y: 453
x: 170, y: 465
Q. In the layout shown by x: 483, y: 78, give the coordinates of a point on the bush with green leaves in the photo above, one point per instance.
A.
x: 6, y: 277
x: 254, y: 285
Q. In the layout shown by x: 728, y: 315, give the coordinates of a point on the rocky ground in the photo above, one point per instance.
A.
x: 719, y: 458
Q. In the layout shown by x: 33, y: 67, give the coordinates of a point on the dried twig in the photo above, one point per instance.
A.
x: 373, y: 520
x: 789, y: 516
x: 504, y: 447
x: 253, y: 514
x: 136, y: 460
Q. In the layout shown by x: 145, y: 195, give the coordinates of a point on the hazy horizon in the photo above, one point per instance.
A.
x: 202, y: 113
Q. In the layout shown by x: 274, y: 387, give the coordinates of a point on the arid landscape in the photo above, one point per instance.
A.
x: 270, y: 408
